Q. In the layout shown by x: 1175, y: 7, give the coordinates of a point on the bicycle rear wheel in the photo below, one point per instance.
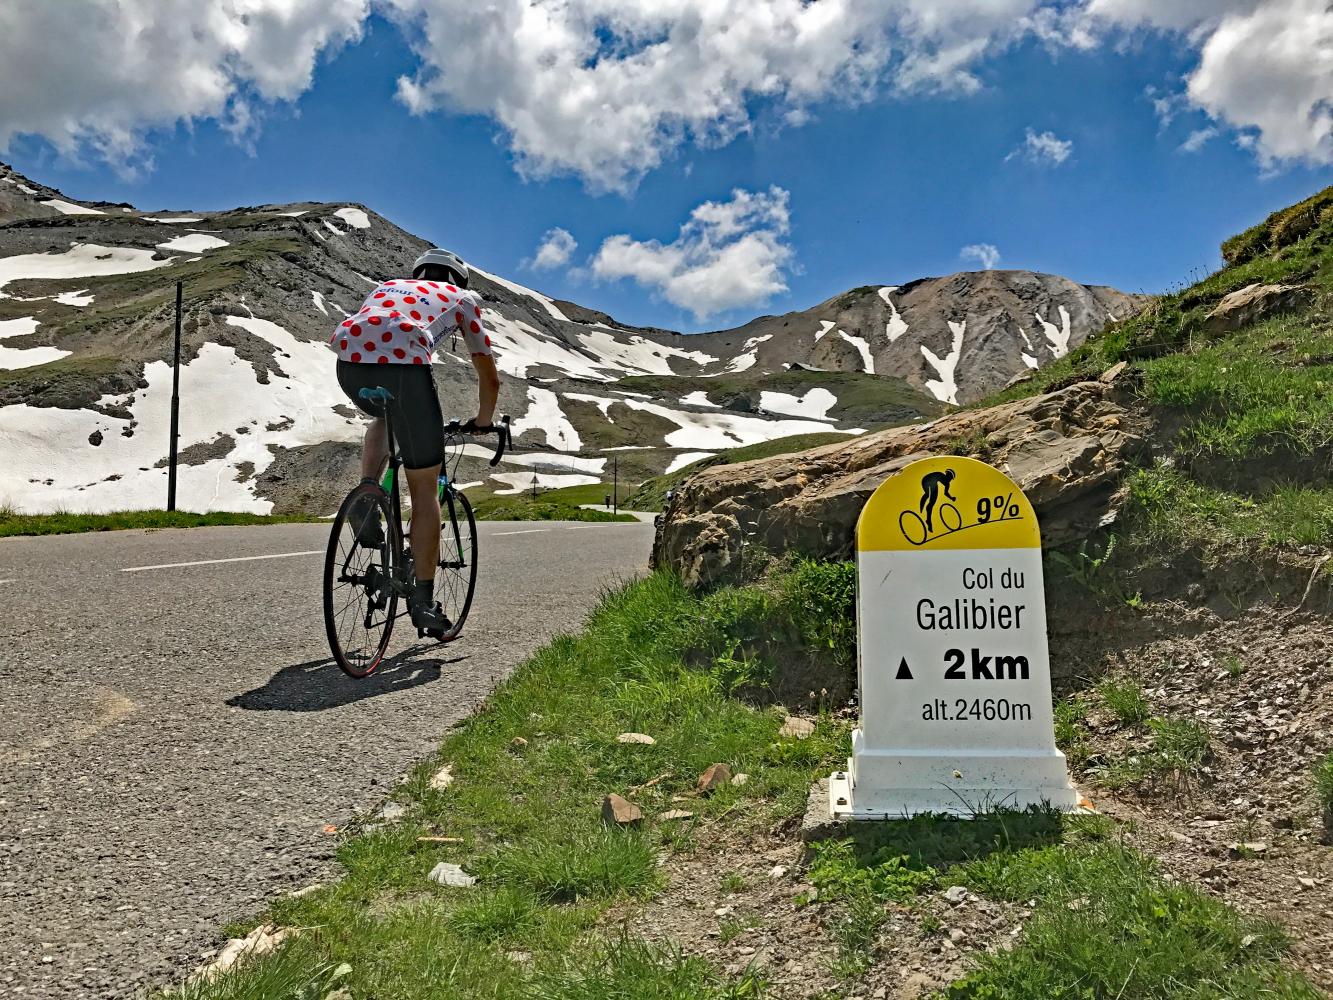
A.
x: 360, y: 602
x: 456, y: 575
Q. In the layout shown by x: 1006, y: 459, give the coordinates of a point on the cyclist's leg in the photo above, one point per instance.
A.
x: 423, y: 484
x: 375, y: 450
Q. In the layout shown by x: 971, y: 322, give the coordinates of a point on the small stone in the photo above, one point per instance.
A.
x: 676, y: 814
x: 956, y: 935
x: 452, y: 875
x: 722, y: 911
x: 715, y: 777
x: 518, y: 743
x: 639, y: 738
x: 620, y: 811
x: 391, y: 812
x: 796, y: 728
x: 1247, y: 940
x: 740, y: 779
x: 956, y: 894
x: 442, y: 778
x: 777, y: 871
x: 1307, y: 883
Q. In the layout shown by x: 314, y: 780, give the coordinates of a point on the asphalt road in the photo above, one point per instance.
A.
x: 176, y: 739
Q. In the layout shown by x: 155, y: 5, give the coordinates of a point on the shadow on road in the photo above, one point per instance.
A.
x: 318, y: 684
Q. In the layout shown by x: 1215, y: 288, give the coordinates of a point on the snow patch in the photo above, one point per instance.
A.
x: 550, y: 306
x: 716, y: 431
x: 293, y: 215
x: 814, y: 405
x: 520, y: 481
x: 219, y: 391
x: 945, y: 388
x: 194, y: 243
x: 544, y: 414
x: 687, y: 458
x: 897, y: 326
x: 1057, y: 335
x: 174, y: 218
x: 80, y: 298
x: 1030, y: 355
x: 520, y: 346
x: 369, y: 281
x: 331, y: 227
x: 25, y: 357
x: 639, y: 355
x: 746, y: 360
x: 319, y: 301
x: 863, y: 346
x: 82, y: 260
x: 698, y: 398
x: 825, y: 325
x: 69, y: 208
x: 22, y: 187
x: 354, y: 217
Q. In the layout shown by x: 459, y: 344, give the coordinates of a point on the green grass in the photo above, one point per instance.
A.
x: 1071, y: 733
x: 549, y: 505
x: 1179, y: 748
x: 1323, y: 788
x: 528, y: 815
x: 1125, y: 700
x: 1168, y: 510
x: 1107, y: 926
x: 651, y: 495
x: 12, y: 523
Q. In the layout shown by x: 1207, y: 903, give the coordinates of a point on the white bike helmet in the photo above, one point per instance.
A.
x: 444, y: 259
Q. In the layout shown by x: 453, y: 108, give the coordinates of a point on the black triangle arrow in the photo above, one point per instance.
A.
x: 904, y: 671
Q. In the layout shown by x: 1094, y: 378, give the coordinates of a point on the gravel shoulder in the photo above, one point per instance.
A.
x: 178, y: 740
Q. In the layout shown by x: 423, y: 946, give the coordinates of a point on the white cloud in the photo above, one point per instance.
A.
x: 1197, y: 139
x: 729, y: 254
x: 985, y: 254
x: 96, y: 74
x: 1043, y: 149
x: 608, y: 89
x: 555, y: 250
x: 1265, y: 67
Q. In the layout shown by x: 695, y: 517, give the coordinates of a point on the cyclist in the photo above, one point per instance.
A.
x: 390, y: 342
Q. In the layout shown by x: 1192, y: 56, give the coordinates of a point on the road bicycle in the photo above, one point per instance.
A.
x: 913, y: 525
x: 368, y: 567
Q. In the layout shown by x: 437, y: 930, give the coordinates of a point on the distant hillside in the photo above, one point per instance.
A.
x: 86, y: 311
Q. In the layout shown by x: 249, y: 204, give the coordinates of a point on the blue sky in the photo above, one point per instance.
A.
x: 879, y: 191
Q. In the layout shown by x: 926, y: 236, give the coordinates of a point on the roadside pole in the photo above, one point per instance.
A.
x: 175, y: 405
x: 954, y: 671
x: 615, y: 484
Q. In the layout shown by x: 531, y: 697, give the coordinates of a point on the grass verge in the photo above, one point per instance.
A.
x: 529, y: 773
x: 548, y: 505
x: 12, y: 523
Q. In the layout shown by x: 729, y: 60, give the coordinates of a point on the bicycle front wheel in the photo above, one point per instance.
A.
x: 456, y: 575
x: 360, y: 602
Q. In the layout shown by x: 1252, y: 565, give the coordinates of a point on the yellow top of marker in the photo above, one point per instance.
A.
x: 947, y: 503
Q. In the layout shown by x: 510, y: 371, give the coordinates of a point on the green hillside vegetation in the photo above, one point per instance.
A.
x: 62, y: 523
x: 563, y: 504
x: 1250, y: 412
x: 651, y: 495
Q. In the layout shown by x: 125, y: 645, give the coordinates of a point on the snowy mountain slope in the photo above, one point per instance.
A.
x: 86, y: 312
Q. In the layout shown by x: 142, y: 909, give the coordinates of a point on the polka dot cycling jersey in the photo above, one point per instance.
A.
x: 402, y: 321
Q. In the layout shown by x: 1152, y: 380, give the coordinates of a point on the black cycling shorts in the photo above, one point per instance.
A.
x: 414, y: 411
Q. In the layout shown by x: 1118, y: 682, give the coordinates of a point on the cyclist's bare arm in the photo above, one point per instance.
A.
x: 488, y: 388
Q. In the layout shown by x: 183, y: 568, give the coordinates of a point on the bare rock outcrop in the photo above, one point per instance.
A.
x: 1067, y: 450
x: 1255, y: 303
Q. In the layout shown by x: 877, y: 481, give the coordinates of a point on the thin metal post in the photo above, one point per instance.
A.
x: 615, y: 484
x: 175, y: 406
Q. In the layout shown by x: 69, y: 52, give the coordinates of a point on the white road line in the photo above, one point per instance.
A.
x: 212, y: 562
x: 526, y: 531
x: 8, y: 581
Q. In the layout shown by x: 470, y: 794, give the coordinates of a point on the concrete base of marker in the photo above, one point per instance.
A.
x: 893, y: 784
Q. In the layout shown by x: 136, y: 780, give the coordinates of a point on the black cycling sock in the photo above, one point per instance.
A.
x: 424, y: 592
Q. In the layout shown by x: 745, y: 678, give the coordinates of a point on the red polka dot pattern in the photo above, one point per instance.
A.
x: 388, y: 336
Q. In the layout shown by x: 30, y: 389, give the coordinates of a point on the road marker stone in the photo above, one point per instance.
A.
x: 954, y: 667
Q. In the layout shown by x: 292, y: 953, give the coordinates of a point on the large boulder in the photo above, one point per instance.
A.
x: 1067, y: 450
x: 1255, y: 303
